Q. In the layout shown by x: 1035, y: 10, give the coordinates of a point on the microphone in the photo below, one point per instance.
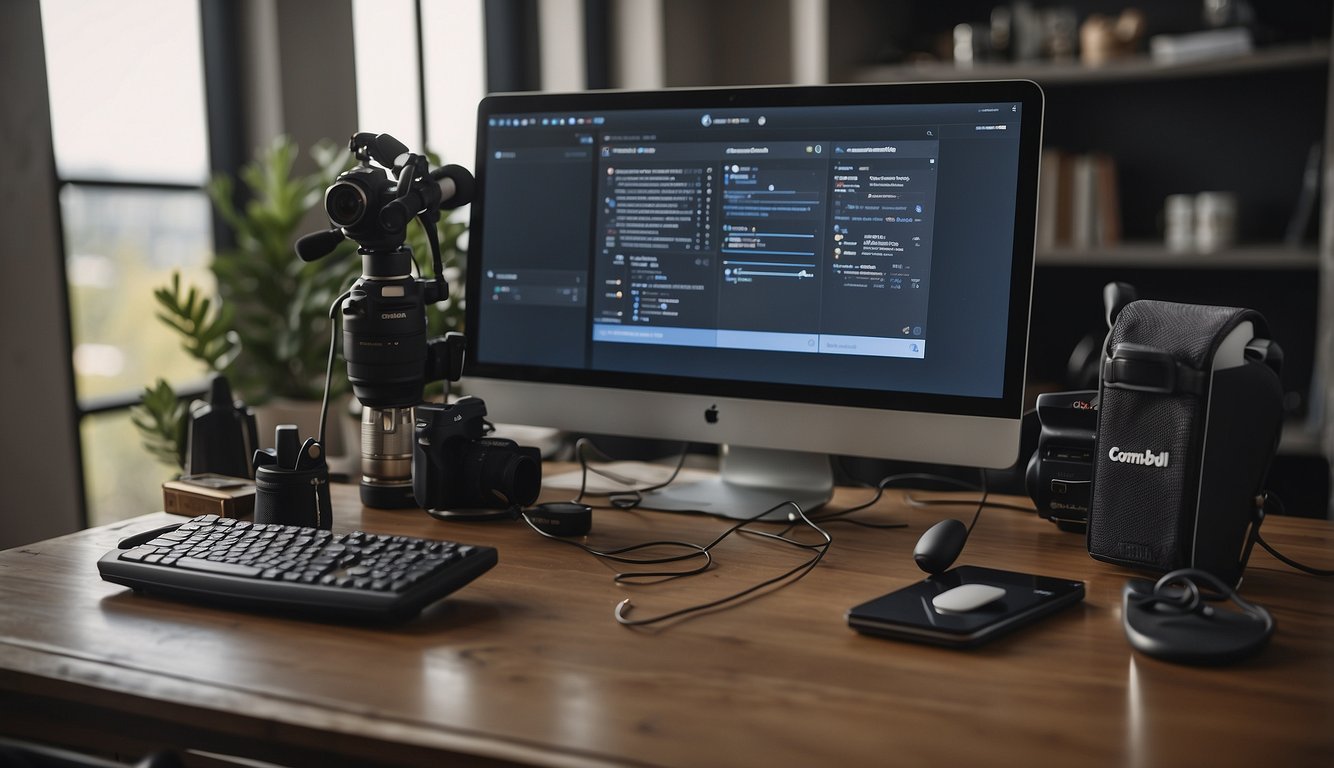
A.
x: 456, y: 185
x: 317, y: 245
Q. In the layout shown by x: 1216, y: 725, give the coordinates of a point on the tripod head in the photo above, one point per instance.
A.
x: 373, y: 203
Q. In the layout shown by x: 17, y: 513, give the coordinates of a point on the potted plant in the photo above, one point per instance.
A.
x: 267, y: 328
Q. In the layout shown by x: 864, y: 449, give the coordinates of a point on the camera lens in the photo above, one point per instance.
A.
x: 345, y: 203
x: 507, y: 471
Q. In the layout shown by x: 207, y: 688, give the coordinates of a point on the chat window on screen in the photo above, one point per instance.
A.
x: 820, y: 247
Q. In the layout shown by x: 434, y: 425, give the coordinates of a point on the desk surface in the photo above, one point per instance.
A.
x: 527, y: 664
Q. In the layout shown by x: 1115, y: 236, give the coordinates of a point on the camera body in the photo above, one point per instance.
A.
x: 455, y: 467
x: 1060, y: 472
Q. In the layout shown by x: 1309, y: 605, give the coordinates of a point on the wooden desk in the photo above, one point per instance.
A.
x: 527, y: 665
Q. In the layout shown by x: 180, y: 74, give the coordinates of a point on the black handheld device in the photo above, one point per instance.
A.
x: 913, y: 613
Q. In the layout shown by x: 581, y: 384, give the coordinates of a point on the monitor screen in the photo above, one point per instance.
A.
x: 826, y: 270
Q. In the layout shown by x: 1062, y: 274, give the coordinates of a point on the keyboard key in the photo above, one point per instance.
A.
x: 214, y: 566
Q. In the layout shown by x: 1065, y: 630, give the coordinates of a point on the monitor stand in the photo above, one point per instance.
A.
x: 749, y: 481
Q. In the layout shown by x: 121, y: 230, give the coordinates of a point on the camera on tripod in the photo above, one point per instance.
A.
x: 389, y: 357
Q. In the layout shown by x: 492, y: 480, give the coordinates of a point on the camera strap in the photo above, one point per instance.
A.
x: 1150, y: 369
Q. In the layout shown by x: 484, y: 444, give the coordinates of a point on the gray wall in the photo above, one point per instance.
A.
x: 39, y: 460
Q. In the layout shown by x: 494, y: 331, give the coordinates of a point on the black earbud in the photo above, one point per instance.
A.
x: 940, y: 546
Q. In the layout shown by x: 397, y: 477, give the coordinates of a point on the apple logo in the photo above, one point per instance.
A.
x: 711, y: 414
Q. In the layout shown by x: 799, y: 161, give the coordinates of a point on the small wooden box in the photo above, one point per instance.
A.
x: 209, y: 494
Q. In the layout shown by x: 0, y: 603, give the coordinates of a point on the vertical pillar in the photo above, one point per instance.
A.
x: 1323, y: 401
x: 41, y: 469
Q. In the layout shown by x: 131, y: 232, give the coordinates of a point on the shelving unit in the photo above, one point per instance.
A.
x: 1244, y: 124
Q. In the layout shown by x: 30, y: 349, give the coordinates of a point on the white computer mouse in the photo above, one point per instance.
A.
x: 967, y: 597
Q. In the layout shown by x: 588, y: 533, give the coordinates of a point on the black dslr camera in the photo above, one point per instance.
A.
x: 455, y: 467
x: 1060, y: 473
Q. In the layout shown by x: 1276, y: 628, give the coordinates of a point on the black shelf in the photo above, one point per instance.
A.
x: 1149, y: 255
x: 1133, y: 69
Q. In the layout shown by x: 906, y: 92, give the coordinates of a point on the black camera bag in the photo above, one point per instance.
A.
x: 1189, y: 420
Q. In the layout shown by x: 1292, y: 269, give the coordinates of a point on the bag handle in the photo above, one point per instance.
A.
x: 1143, y: 368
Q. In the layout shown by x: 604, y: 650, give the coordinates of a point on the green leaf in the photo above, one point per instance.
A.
x: 160, y: 418
x: 202, y: 327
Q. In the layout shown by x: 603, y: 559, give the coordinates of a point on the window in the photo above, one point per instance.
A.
x: 126, y: 89
x: 455, y: 77
x: 131, y: 149
x: 391, y: 66
x: 131, y: 136
x: 384, y: 37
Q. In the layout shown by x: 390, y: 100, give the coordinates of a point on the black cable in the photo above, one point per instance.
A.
x: 920, y: 502
x: 626, y: 499
x: 328, y: 366
x: 1289, y: 561
x: 790, y: 576
x: 841, y: 515
x: 889, y: 480
x: 981, y: 502
x: 1282, y: 558
x: 1188, y: 598
x: 429, y: 222
x: 632, y: 498
x: 618, y: 556
x: 699, y: 550
x: 1272, y: 500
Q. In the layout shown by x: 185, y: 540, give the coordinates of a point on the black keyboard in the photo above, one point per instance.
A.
x: 296, y: 570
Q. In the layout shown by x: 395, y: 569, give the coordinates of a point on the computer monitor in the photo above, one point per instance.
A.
x: 790, y: 272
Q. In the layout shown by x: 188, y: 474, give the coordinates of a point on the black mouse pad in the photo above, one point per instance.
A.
x: 908, y: 614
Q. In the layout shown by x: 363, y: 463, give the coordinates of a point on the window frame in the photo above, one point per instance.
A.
x: 222, y: 39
